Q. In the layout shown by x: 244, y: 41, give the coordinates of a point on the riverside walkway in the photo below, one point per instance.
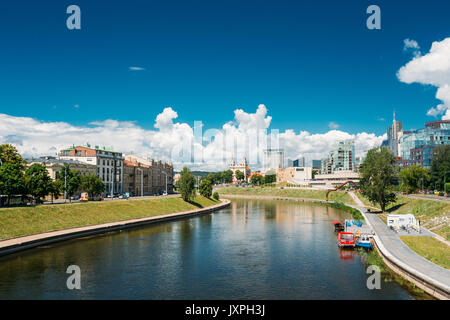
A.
x: 416, y: 265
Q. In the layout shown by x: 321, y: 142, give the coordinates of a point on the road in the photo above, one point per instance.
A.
x: 427, y: 197
x: 61, y: 201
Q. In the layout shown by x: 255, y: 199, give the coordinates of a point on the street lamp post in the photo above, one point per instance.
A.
x: 423, y: 191
x: 65, y: 183
x: 142, y: 181
x: 166, y: 179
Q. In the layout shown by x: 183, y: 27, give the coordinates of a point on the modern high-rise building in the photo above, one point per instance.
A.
x: 341, y: 157
x: 300, y: 162
x: 273, y: 159
x: 316, y: 164
x: 416, y: 146
x: 394, y: 133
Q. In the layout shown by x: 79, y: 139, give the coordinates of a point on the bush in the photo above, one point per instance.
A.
x: 447, y: 187
x: 356, y: 214
x: 216, y: 195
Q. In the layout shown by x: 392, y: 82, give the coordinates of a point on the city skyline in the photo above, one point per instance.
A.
x: 140, y: 83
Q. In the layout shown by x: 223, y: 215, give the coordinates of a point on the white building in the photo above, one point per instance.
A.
x: 295, y: 175
x: 109, y: 164
x: 333, y: 180
x: 243, y: 167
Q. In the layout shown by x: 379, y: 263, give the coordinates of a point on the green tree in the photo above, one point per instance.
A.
x: 205, y: 188
x: 227, y: 176
x: 11, y: 180
x: 447, y: 187
x: 239, y: 175
x: 186, y: 184
x: 378, y: 174
x: 257, y: 179
x: 70, y: 180
x: 216, y: 195
x: 440, y: 166
x: 37, y: 181
x: 413, y: 178
x: 270, y: 178
x: 9, y: 154
x: 56, y: 188
x: 92, y: 184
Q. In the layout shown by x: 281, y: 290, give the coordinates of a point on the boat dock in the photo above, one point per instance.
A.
x: 364, y: 228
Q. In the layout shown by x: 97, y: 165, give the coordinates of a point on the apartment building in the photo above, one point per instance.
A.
x: 109, y: 164
x: 416, y: 146
x: 146, y: 176
x: 55, y: 165
x: 340, y: 158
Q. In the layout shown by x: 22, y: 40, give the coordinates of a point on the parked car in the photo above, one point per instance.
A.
x: 75, y: 197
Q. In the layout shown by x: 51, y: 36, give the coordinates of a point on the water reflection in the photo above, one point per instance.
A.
x: 254, y: 249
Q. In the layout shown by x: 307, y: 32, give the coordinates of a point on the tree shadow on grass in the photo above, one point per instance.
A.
x: 194, y: 203
x: 393, y: 208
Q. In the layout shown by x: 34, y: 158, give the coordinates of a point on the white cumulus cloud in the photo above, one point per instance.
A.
x: 433, y: 69
x: 247, y: 135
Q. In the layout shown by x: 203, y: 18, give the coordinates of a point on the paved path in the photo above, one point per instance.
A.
x: 399, y: 250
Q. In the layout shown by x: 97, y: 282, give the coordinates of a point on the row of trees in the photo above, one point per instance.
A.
x: 380, y: 175
x: 221, y: 177
x: 227, y: 177
x: 258, y: 179
x: 17, y: 179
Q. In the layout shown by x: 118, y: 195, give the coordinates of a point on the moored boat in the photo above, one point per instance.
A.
x: 346, y: 239
x: 338, y: 226
x: 364, y: 241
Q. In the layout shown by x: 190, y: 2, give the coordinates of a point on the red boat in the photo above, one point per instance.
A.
x: 338, y: 226
x: 346, y: 239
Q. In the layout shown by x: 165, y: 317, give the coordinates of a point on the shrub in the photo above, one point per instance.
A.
x: 356, y: 214
x: 216, y: 195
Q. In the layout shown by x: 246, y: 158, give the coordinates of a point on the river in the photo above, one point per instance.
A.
x: 255, y: 249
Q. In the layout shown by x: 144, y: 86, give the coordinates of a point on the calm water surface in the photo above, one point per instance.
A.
x: 255, y: 249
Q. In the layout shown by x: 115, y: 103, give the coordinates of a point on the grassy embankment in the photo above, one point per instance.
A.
x: 339, y: 197
x: 22, y: 221
x: 433, y: 215
x: 429, y: 248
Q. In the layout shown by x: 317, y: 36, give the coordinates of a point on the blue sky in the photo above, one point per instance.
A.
x: 308, y: 62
